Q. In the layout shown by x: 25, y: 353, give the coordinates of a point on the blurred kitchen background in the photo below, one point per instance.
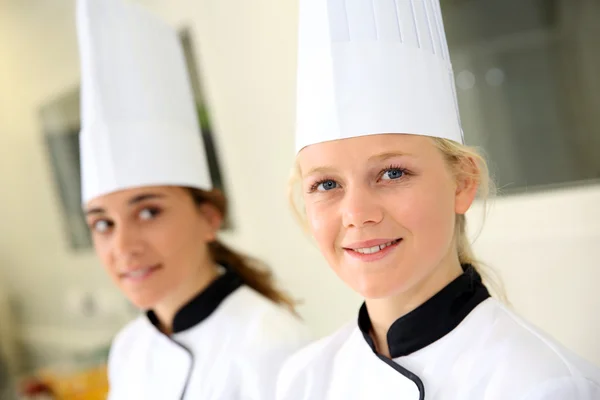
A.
x: 528, y: 82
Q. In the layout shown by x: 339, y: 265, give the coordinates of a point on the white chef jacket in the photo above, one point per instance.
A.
x: 228, y: 343
x: 459, y: 345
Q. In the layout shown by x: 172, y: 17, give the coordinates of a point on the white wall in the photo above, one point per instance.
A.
x: 36, y: 64
x: 545, y: 245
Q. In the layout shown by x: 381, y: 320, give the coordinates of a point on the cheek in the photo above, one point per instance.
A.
x: 103, y: 249
x: 169, y: 240
x: 427, y: 212
x: 323, y: 224
x: 181, y: 244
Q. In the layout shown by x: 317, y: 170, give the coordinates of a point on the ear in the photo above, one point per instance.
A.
x: 466, y: 185
x: 213, y: 217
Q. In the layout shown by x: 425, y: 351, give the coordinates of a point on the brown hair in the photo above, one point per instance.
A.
x: 253, y: 272
x: 461, y: 159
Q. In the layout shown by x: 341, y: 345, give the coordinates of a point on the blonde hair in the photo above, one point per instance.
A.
x: 464, y: 162
x: 460, y: 159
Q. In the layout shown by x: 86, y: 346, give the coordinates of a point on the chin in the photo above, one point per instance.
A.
x: 143, y: 301
x: 381, y: 284
x: 142, y: 304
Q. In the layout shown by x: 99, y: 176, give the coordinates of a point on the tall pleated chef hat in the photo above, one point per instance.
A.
x: 373, y: 66
x: 139, y: 120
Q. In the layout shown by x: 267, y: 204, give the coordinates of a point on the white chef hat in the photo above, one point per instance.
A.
x: 373, y: 66
x: 139, y: 120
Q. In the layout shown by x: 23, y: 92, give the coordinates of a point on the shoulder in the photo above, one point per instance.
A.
x: 530, y: 344
x: 321, y: 349
x: 527, y: 357
x: 565, y: 388
x: 266, y: 335
x: 264, y: 323
x: 307, y: 362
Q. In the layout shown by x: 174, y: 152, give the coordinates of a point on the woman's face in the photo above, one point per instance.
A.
x: 152, y: 240
x: 382, y: 209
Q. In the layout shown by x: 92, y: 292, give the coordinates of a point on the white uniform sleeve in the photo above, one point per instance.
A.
x: 572, y: 388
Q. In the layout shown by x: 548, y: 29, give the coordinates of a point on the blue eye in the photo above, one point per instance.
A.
x: 327, y: 185
x: 393, y: 173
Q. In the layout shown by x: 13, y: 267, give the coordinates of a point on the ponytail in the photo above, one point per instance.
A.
x: 253, y: 272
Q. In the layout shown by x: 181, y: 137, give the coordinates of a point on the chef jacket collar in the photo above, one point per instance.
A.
x: 203, y: 305
x: 432, y: 320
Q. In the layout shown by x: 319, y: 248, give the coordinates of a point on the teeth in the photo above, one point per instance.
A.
x: 374, y: 249
x: 139, y: 273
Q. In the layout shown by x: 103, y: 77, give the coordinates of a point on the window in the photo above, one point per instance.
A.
x: 528, y: 83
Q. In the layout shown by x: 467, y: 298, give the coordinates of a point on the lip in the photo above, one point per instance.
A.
x: 372, y: 256
x: 368, y: 243
x: 137, y: 278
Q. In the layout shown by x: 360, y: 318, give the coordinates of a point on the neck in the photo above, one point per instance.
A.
x: 384, y: 312
x: 168, y: 307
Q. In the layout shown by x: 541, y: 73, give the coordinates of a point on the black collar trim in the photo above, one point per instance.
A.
x: 204, y: 304
x: 432, y: 320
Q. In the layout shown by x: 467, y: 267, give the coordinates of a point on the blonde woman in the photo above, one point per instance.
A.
x: 386, y: 181
x: 215, y: 326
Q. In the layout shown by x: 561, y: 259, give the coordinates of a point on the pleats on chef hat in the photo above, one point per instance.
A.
x: 139, y: 119
x: 373, y: 66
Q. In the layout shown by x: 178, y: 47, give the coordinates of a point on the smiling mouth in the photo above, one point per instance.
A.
x: 374, y: 249
x: 139, y: 273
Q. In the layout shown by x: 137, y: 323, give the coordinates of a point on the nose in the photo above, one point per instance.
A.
x: 127, y: 242
x: 360, y: 207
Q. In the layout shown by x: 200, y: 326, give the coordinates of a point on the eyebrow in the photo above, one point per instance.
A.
x: 144, y: 197
x: 376, y: 157
x: 320, y: 170
x: 135, y: 200
x: 388, y: 155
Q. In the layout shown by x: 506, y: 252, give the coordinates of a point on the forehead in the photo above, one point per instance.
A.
x: 361, y: 150
x: 128, y: 196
